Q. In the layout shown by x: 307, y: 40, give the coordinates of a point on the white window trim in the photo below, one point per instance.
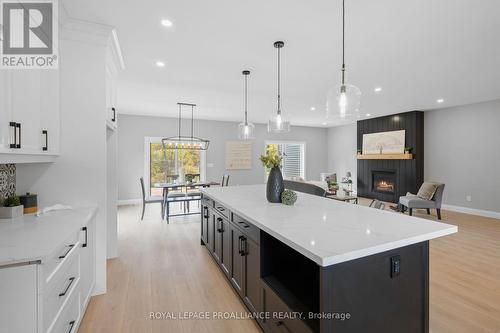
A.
x: 303, y: 143
x: 147, y: 156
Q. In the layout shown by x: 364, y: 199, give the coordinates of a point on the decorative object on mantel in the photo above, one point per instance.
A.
x: 185, y: 142
x: 11, y: 208
x: 360, y: 151
x: 275, y: 186
x: 392, y: 142
x: 246, y: 129
x: 346, y: 97
x: 278, y: 123
x: 288, y: 197
x: 408, y: 150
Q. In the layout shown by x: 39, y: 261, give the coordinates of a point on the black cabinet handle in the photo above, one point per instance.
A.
x: 114, y: 114
x: 221, y: 228
x: 18, y: 125
x: 13, y: 143
x: 86, y: 237
x: 71, y: 324
x: 71, y: 280
x: 46, y: 133
x: 205, y: 212
x: 68, y: 251
x: 242, y: 245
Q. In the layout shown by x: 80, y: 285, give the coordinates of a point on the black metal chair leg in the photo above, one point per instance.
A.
x: 428, y: 211
x: 143, y: 209
x: 410, y: 211
x: 438, y: 210
x: 168, y: 212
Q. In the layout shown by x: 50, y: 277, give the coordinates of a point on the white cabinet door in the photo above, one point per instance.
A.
x: 18, y: 299
x: 50, y: 122
x: 5, y: 110
x: 26, y: 110
x: 111, y: 116
x: 87, y: 259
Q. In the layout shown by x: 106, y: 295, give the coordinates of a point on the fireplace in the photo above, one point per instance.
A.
x: 384, y: 182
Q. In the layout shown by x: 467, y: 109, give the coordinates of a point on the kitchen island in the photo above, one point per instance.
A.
x: 321, y: 265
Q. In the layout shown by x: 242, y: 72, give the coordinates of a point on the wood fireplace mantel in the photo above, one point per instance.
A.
x: 385, y: 156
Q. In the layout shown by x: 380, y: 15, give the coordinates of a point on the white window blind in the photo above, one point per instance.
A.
x: 292, y: 161
x: 292, y: 165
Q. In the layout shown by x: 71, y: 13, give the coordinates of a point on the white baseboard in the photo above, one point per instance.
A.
x: 129, y: 202
x: 472, y: 211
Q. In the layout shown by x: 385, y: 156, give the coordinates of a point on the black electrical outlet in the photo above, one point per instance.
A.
x: 395, y: 266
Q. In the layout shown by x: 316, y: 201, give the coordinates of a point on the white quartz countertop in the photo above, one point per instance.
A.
x: 30, y: 238
x: 325, y: 230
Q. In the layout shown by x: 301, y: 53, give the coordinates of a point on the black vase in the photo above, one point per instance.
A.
x: 275, y: 185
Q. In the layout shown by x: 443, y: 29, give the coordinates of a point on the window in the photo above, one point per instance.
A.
x: 293, y: 164
x: 163, y: 166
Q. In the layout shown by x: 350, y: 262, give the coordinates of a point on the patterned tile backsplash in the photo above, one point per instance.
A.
x: 7, y: 180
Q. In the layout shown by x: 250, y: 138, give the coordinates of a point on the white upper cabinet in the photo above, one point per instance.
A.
x: 29, y: 115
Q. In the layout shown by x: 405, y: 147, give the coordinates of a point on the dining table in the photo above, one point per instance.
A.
x: 180, y: 185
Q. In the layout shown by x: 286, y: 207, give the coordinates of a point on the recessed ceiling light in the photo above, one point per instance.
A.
x: 378, y: 89
x: 440, y: 101
x: 166, y: 23
x: 313, y: 108
x: 368, y: 114
x: 160, y: 64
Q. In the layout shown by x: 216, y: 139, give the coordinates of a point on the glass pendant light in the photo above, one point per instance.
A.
x: 278, y: 123
x: 344, y: 99
x: 246, y: 129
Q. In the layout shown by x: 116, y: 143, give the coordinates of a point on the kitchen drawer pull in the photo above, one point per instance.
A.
x: 70, y: 247
x: 18, y: 143
x: 13, y: 143
x: 71, y: 280
x: 242, y: 245
x: 71, y: 324
x: 114, y: 115
x: 244, y: 224
x: 221, y: 228
x: 205, y: 212
x: 46, y: 134
x: 221, y: 209
x: 86, y: 237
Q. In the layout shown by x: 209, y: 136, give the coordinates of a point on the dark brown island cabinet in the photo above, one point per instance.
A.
x: 289, y: 293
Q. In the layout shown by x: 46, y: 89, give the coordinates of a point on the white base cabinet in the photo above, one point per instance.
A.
x: 50, y: 296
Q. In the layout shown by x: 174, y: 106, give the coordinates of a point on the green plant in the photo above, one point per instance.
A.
x: 12, y: 201
x: 288, y: 197
x: 408, y: 149
x: 360, y: 151
x: 271, y: 159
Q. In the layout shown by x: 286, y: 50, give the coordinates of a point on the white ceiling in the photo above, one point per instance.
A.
x: 418, y: 51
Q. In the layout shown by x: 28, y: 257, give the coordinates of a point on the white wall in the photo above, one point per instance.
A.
x: 342, y: 149
x: 462, y: 151
x: 78, y: 176
x: 133, y: 129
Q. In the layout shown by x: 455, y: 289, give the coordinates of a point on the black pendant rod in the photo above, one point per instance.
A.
x: 279, y: 45
x: 246, y: 73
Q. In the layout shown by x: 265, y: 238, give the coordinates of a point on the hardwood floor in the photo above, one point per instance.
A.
x: 163, y: 268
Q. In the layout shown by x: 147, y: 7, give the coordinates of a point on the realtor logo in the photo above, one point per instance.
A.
x: 29, y: 34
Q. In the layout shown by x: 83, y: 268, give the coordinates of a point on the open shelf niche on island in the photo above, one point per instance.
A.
x: 292, y: 276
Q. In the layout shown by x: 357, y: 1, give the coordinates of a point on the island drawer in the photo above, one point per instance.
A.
x: 221, y: 210
x: 281, y: 317
x: 59, y: 259
x: 206, y: 201
x: 249, y: 229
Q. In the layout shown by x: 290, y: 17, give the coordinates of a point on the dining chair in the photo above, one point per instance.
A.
x: 146, y: 199
x: 225, y: 180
